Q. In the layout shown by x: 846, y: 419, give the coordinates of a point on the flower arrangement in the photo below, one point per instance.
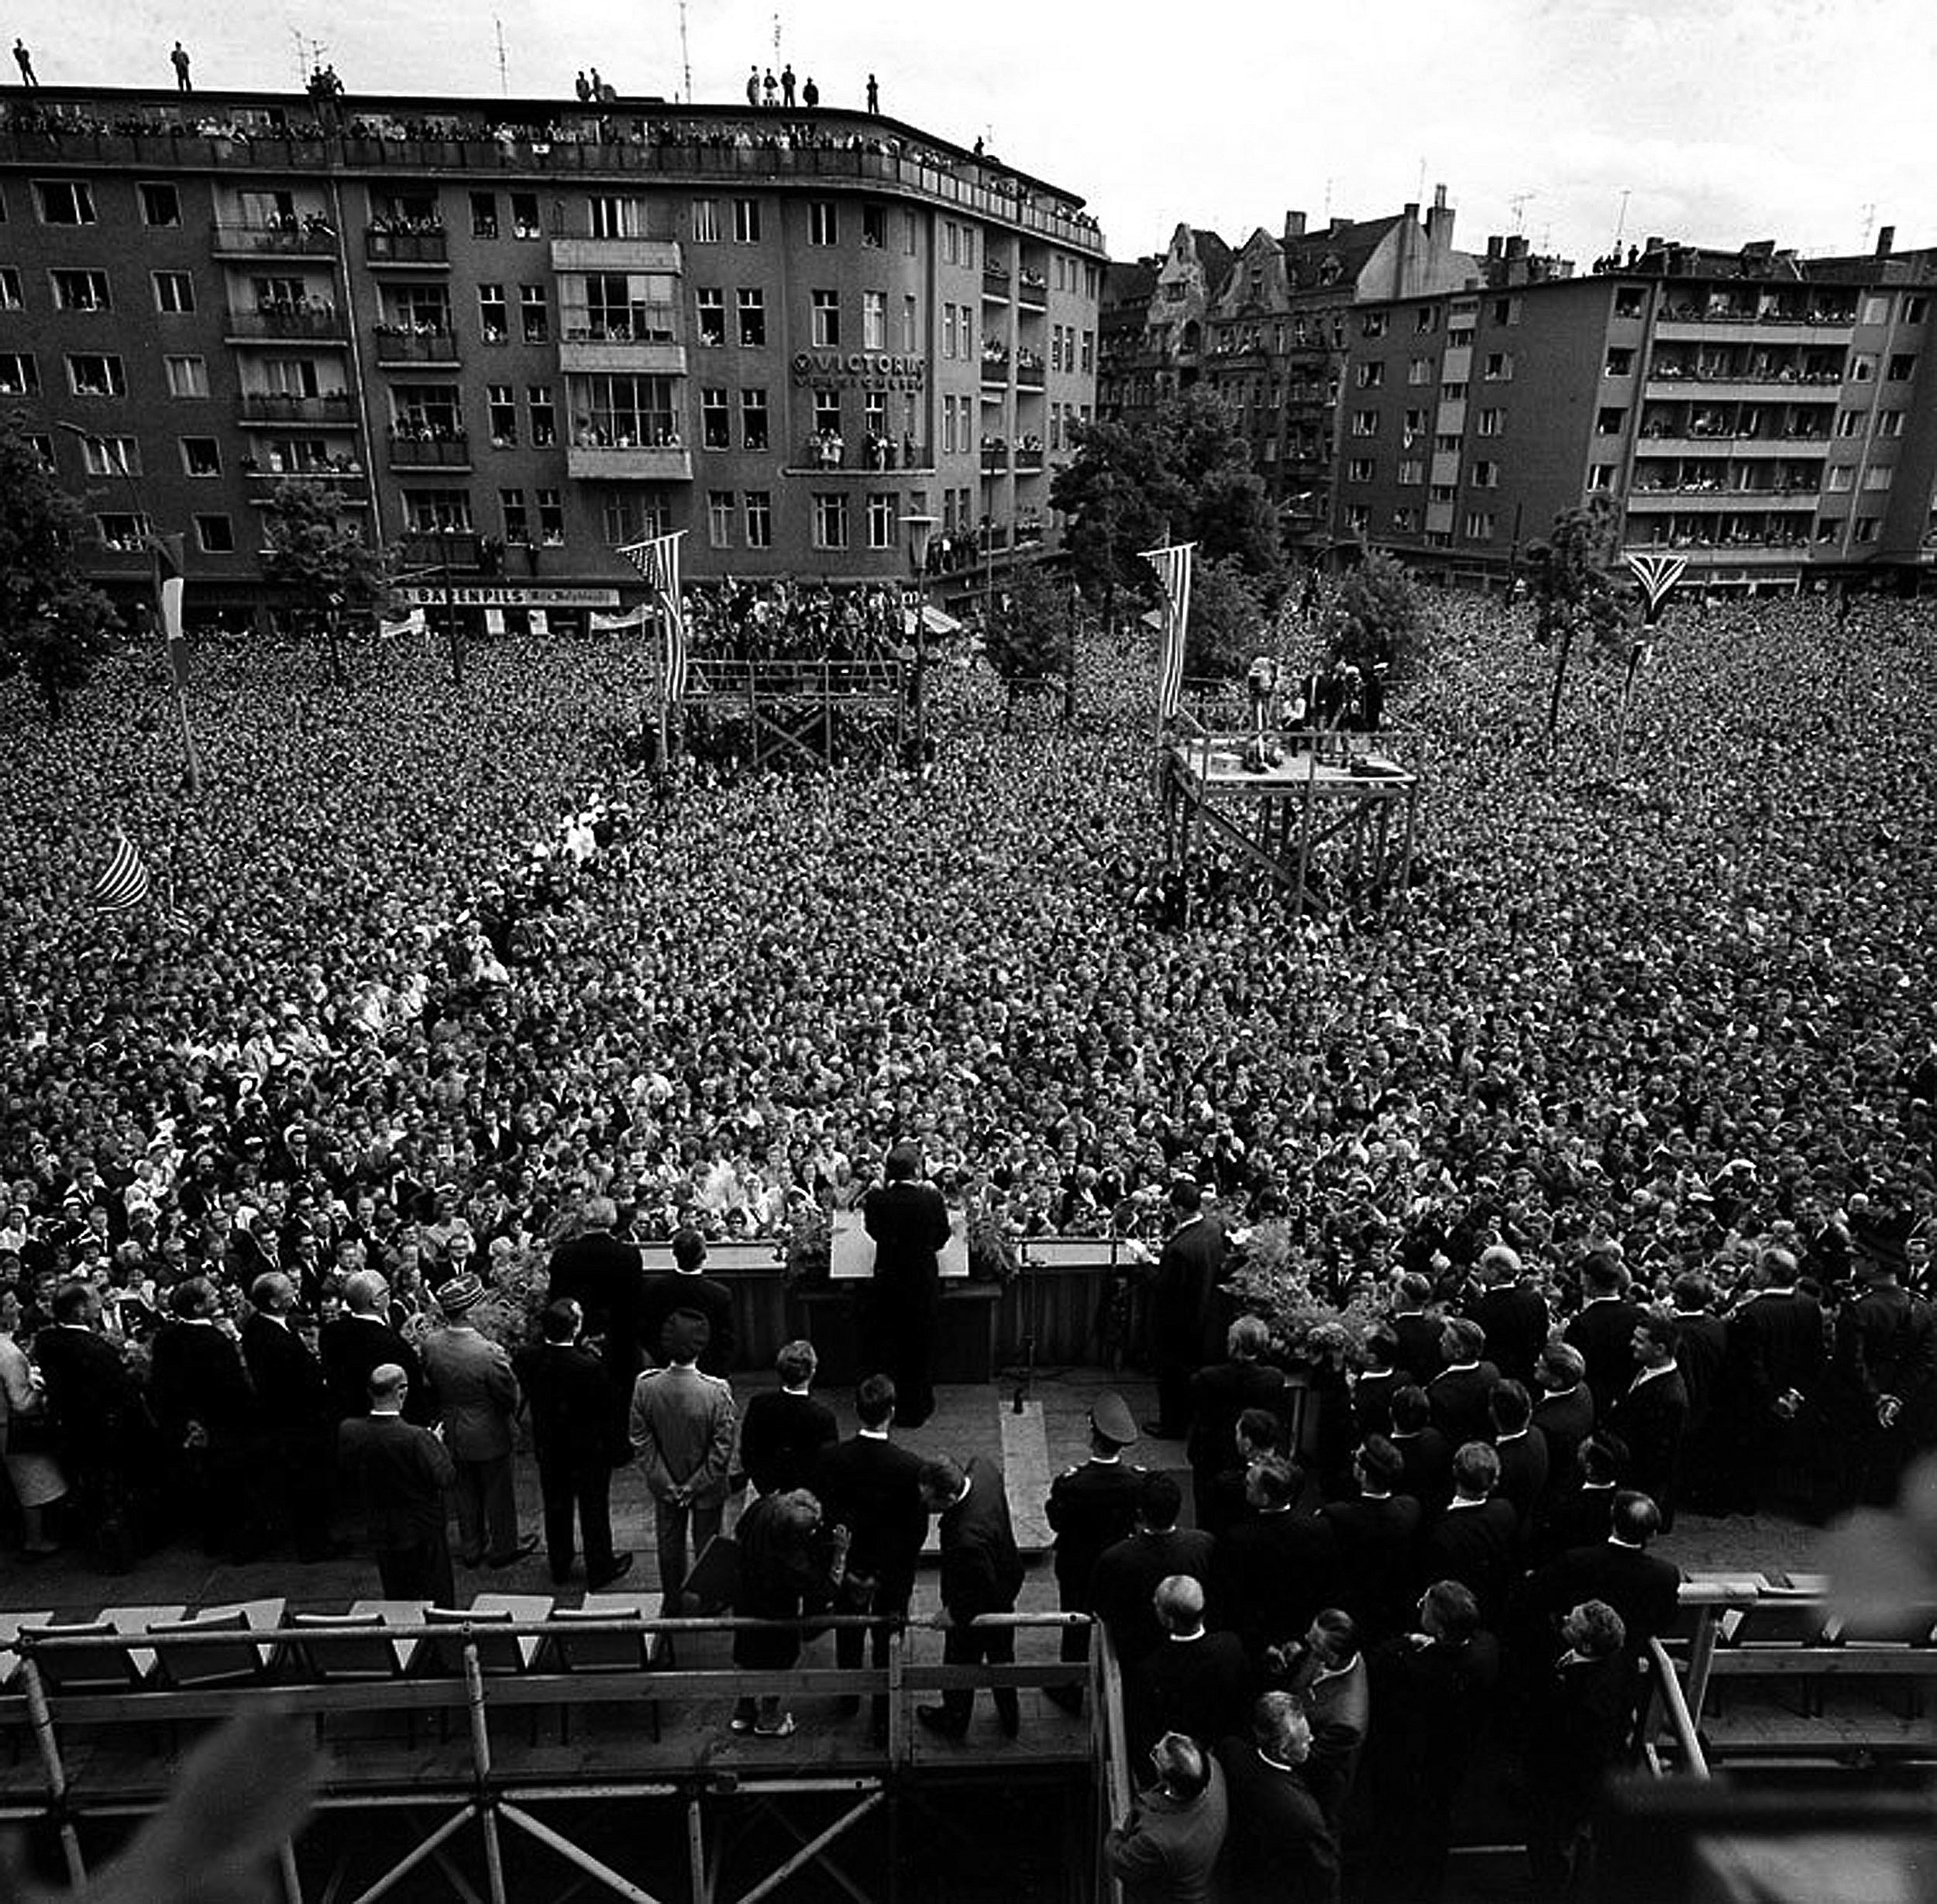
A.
x: 1276, y: 1282
x: 809, y: 1248
x: 992, y: 1257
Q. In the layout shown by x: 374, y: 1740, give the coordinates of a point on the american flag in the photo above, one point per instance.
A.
x: 658, y: 560
x: 123, y: 884
x: 1173, y: 567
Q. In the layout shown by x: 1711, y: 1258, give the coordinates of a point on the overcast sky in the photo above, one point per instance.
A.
x: 1720, y: 121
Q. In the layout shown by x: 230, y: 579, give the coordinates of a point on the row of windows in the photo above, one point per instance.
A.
x: 84, y: 289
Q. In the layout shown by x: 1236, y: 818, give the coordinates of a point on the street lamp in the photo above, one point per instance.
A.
x: 172, y: 635
x: 920, y: 528
x: 445, y: 531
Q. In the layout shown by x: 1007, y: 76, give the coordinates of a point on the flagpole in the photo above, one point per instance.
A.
x: 664, y: 624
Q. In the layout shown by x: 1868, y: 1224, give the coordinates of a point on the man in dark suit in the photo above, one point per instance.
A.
x: 1196, y: 1682
x: 574, y: 1435
x: 686, y: 1288
x: 1886, y: 1364
x: 981, y: 1573
x: 1563, y: 1410
x: 1579, y: 1513
x: 1604, y: 1330
x: 1219, y: 1395
x: 1128, y: 1574
x: 399, y: 1475
x: 1273, y: 1572
x: 1701, y: 1354
x: 1091, y: 1507
x: 1417, y: 1328
x: 1619, y: 1570
x: 1379, y: 1381
x: 784, y: 1431
x: 1187, y: 1269
x: 107, y: 1438
x: 299, y: 1425
x: 1522, y: 1450
x: 1476, y: 1539
x: 207, y: 1412
x: 1575, y: 1728
x: 1512, y: 1311
x: 1652, y: 1417
x: 1457, y: 1394
x: 1377, y: 1536
x: 873, y: 1488
x: 1279, y: 1847
x: 361, y: 1341
x: 1426, y: 1456
x: 606, y: 1278
x: 1777, y: 1353
x: 902, y: 1304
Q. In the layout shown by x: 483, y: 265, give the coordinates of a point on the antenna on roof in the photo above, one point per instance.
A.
x: 1621, y: 223
x: 1520, y: 201
x: 686, y: 55
x: 504, y: 77
x: 1870, y: 222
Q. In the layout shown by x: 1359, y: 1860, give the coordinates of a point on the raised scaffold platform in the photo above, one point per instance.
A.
x: 798, y: 709
x: 1309, y: 802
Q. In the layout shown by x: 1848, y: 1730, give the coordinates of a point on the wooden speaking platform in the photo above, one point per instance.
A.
x: 1346, y: 804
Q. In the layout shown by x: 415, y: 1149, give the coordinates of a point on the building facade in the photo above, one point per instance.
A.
x: 1770, y: 419
x: 508, y: 336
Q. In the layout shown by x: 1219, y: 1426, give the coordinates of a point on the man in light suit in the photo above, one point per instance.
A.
x: 399, y: 1475
x: 477, y: 1396
x: 682, y: 1426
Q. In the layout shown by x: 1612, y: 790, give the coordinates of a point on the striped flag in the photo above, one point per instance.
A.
x: 1173, y: 567
x: 658, y: 560
x: 123, y: 884
x: 1657, y: 576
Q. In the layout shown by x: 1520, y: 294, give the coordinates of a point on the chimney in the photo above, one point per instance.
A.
x: 1294, y: 224
x: 1411, y: 211
x: 1885, y: 238
x: 1516, y: 246
x: 1438, y: 223
x: 1494, y: 245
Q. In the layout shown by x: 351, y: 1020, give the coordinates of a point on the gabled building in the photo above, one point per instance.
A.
x: 1153, y: 335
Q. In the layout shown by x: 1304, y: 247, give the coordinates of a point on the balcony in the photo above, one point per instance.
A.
x: 1672, y: 386
x: 450, y: 450
x: 414, y: 344
x: 275, y: 406
x: 312, y: 239
x: 1029, y: 372
x: 1707, y: 496
x: 995, y: 367
x: 297, y: 324
x: 1735, y: 327
x: 455, y: 549
x: 393, y: 241
x: 1028, y: 459
x: 591, y: 349
x: 1032, y: 292
x: 994, y: 285
x: 629, y: 463
x: 821, y: 455
x: 995, y: 459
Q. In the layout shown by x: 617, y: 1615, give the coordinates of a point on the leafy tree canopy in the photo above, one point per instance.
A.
x: 1380, y: 618
x: 1031, y: 637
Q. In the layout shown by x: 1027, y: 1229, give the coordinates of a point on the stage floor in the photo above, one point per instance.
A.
x: 1224, y: 768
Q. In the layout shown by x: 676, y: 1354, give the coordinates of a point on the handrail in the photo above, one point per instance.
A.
x: 1668, y: 1688
x: 1112, y: 1749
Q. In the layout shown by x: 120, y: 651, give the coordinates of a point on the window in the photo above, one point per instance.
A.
x: 1890, y: 422
x: 881, y: 520
x: 1411, y: 470
x: 187, y: 376
x: 534, y: 304
x: 1089, y: 353
x: 1490, y: 421
x: 494, y: 323
x: 951, y: 242
x: 757, y: 510
x: 947, y: 330
x: 623, y: 411
x: 524, y: 221
x: 1499, y: 368
x: 1365, y: 423
x: 1478, y: 525
x: 1416, y: 427
x: 831, y: 519
x: 1867, y: 528
x: 216, y: 535
x: 1443, y: 492
x: 1901, y: 367
x: 511, y: 509
x: 611, y: 215
x: 1358, y: 515
x: 200, y: 456
x: 827, y: 413
x: 746, y: 221
x: 1915, y: 308
x: 1620, y: 362
x: 1862, y: 368
x: 1370, y: 376
x: 500, y: 408
x: 753, y: 318
x: 81, y: 291
x: 716, y: 430
x: 174, y: 292
x: 1425, y: 320
x: 111, y: 456
x: 827, y: 319
x: 1446, y: 443
x: 1420, y: 370
x: 711, y: 301
x: 1372, y: 324
x: 544, y: 417
x: 1842, y: 478
x: 93, y: 374
x: 484, y: 217
x: 1849, y: 423
x: 824, y: 223
x: 1405, y: 521
x: 719, y: 518
x: 10, y: 299
x: 1506, y: 310
x: 1630, y: 304
x: 1876, y: 310
x: 160, y: 204
x: 1601, y: 476
x: 1486, y: 476
x: 64, y: 200
x: 551, y: 518
x: 123, y: 529
x: 706, y: 221
x: 753, y: 419
x: 874, y: 320
x: 1611, y: 421
x: 947, y: 424
x: 1359, y: 469
x: 1453, y: 391
x: 1878, y: 475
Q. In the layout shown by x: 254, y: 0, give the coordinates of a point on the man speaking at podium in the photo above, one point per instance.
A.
x: 909, y: 1222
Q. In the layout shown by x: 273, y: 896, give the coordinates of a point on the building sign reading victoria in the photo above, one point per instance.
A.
x: 861, y: 369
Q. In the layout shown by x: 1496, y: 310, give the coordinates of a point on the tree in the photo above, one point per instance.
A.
x: 1575, y: 591
x: 1031, y: 639
x: 1380, y: 619
x: 333, y: 569
x: 52, y: 623
x: 1228, y: 619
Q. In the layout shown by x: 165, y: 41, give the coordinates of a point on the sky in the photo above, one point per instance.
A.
x: 1718, y: 121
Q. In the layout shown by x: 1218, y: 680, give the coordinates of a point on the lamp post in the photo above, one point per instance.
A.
x: 177, y: 650
x: 445, y: 531
x: 920, y: 529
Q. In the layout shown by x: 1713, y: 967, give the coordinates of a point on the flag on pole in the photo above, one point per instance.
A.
x: 1173, y: 568
x: 658, y: 560
x: 123, y: 884
x: 414, y: 623
x: 1657, y: 576
x: 170, y: 582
